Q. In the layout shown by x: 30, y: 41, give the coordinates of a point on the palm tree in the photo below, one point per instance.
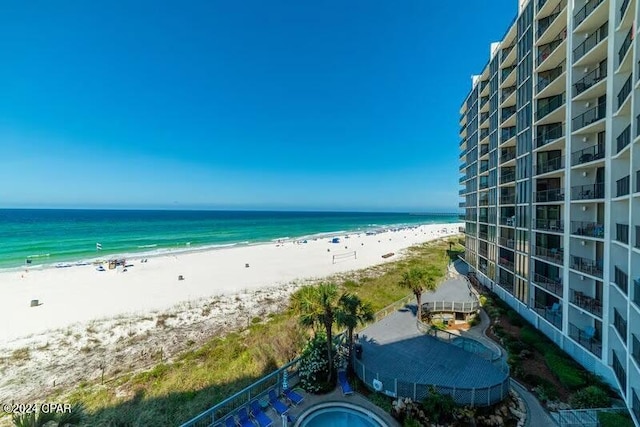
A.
x: 317, y: 306
x: 418, y: 281
x: 351, y: 312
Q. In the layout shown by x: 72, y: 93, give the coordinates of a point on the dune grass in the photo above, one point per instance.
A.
x: 170, y: 394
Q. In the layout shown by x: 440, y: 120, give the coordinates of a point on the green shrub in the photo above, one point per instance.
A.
x: 382, y: 401
x: 514, y: 318
x: 614, y: 419
x: 314, y: 366
x: 410, y: 422
x: 516, y: 346
x: 590, y: 397
x: 438, y: 407
x: 565, y: 370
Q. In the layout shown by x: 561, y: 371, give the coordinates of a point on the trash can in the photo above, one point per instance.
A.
x: 358, y: 349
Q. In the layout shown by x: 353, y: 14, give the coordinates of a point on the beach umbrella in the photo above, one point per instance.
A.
x: 285, y: 380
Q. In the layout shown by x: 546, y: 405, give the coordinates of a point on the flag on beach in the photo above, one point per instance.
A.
x: 98, y: 247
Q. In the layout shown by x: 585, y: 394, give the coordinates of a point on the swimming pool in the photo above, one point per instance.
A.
x: 338, y: 414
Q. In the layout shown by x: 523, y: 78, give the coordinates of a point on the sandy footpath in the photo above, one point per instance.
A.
x: 91, y: 320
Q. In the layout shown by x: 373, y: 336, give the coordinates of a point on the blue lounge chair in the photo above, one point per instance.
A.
x: 589, y: 332
x: 344, y: 384
x: 262, y: 418
x: 243, y: 416
x: 293, y: 397
x: 279, y: 407
x: 230, y: 422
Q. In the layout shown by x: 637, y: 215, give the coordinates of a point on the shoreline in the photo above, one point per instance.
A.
x: 204, y: 247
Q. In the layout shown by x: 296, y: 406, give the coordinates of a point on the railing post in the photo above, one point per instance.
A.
x: 396, y: 383
x: 415, y: 397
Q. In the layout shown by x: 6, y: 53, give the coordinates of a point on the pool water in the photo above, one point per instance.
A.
x: 339, y: 417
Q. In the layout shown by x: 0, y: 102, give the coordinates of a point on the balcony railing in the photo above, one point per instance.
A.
x: 550, y: 165
x: 590, y: 116
x: 585, y: 11
x: 554, y: 225
x: 638, y: 181
x: 508, y: 199
x: 551, y: 195
x: 623, y: 186
x: 636, y: 292
x: 506, y: 71
x: 586, y: 338
x: 549, y: 134
x: 626, y: 44
x: 509, y: 221
x: 508, y: 112
x: 548, y: 105
x: 545, y: 22
x: 622, y: 233
x: 635, y: 349
x: 587, y: 266
x: 624, y: 138
x: 506, y: 284
x: 589, y: 80
x: 507, y: 91
x: 508, y: 133
x: 482, y: 251
x: 507, y: 242
x: 637, y: 245
x: 507, y: 177
x: 623, y: 9
x: 588, y: 192
x: 621, y: 279
x: 483, y: 134
x: 618, y: 369
x: 484, y: 184
x: 484, y: 149
x: 504, y: 262
x: 484, y: 166
x: 552, y: 285
x: 588, y: 229
x: 506, y: 51
x: 591, y: 41
x: 483, y: 116
x: 547, y: 77
x: 624, y: 92
x: 591, y: 304
x: 555, y: 255
x: 551, y: 314
x: 589, y: 154
x: 483, y: 101
x: 547, y: 49
x: 506, y: 155
x: 620, y: 324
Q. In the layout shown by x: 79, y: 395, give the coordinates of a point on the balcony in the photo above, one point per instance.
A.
x: 484, y: 183
x: 505, y: 52
x: 637, y: 245
x: 546, y: 22
x: 590, y: 42
x: 482, y: 235
x: 483, y: 101
x: 587, y: 266
x: 618, y: 369
x: 550, y: 195
x: 548, y: 105
x: 623, y: 139
x: 548, y: 134
x: 506, y: 71
x: 590, y: 304
x: 623, y: 186
x: 587, y: 229
x: 626, y: 44
x: 506, y: 284
x: 622, y: 233
x: 507, y: 91
x: 547, y: 77
x: 553, y: 225
x: 552, y: 314
x: 624, y: 92
x: 636, y: 292
x: 586, y: 338
x: 483, y: 134
x: 484, y: 166
x: 621, y: 279
x: 550, y: 165
x: 482, y: 251
x: 483, y: 117
x: 484, y: 149
x: 623, y: 9
x: 590, y: 116
x: 555, y: 255
x: 552, y: 285
x: 547, y: 49
x: 507, y: 113
x: 620, y: 324
x: 589, y: 154
x: 585, y: 11
x: 589, y: 80
x: 588, y: 192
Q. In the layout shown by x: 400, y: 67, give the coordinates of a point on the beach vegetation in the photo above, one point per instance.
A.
x: 206, y: 374
x: 20, y: 354
x: 314, y: 366
x: 351, y: 312
x: 418, y: 280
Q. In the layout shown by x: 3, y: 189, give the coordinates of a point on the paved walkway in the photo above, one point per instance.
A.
x: 536, y: 414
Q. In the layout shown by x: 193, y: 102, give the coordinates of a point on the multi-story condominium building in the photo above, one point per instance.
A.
x: 550, y: 152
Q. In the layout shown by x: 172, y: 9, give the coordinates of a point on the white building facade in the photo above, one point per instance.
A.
x: 550, y: 152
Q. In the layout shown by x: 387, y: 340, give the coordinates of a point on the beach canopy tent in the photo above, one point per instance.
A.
x: 335, y: 240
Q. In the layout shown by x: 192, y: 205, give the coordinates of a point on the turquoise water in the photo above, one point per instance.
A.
x: 339, y: 417
x: 50, y: 236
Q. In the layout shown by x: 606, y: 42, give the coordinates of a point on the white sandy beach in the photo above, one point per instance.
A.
x: 112, y: 321
x: 81, y: 293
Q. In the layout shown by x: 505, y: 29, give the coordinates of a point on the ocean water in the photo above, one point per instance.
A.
x: 51, y: 236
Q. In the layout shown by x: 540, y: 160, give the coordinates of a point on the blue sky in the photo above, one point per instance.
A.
x: 327, y: 105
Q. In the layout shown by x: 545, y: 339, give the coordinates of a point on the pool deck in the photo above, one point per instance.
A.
x: 394, y: 348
